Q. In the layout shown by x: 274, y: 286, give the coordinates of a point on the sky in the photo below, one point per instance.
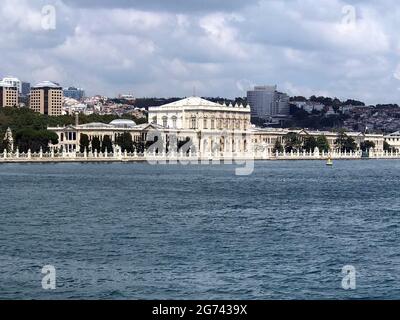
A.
x: 168, y: 48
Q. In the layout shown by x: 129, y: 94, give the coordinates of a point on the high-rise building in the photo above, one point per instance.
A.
x: 282, y: 100
x: 47, y: 98
x: 74, y: 93
x: 8, y: 95
x: 25, y: 89
x: 14, y: 82
x: 267, y: 102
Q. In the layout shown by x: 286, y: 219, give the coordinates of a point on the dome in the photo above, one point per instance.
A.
x: 124, y: 123
x: 95, y: 125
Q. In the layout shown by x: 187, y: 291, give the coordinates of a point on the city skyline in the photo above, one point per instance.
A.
x: 344, y: 49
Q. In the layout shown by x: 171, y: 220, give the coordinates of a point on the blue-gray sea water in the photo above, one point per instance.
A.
x: 139, y: 231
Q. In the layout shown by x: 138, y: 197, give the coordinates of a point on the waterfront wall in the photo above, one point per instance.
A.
x: 226, y: 157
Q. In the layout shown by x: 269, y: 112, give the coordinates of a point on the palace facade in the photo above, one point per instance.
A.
x: 393, y: 139
x: 199, y: 114
x: 205, y: 127
x: 265, y: 138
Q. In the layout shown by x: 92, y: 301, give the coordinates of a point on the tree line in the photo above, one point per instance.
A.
x: 293, y: 141
x: 29, y: 128
x: 124, y: 141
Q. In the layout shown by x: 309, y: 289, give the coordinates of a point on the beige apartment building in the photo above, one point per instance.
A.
x: 8, y: 95
x: 47, y: 98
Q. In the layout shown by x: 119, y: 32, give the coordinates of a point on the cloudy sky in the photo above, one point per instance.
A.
x: 348, y: 49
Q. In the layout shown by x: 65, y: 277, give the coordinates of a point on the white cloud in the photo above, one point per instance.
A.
x: 165, y: 49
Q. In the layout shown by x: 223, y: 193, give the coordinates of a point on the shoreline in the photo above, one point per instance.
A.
x: 181, y: 160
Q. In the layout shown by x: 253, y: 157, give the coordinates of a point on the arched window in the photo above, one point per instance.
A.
x: 154, y: 120
x: 193, y: 122
x: 220, y: 124
x: 165, y: 121
x: 226, y: 123
x: 174, y: 120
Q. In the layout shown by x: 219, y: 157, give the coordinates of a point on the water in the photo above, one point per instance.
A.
x: 136, y: 231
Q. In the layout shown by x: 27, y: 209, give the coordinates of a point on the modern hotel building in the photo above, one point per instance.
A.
x: 47, y: 98
x: 8, y: 95
x: 13, y: 82
x: 266, y: 102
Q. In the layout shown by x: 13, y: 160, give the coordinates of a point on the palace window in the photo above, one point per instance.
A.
x: 165, y: 122
x: 193, y: 123
x: 205, y: 123
x: 212, y: 124
x: 154, y: 120
x: 174, y: 119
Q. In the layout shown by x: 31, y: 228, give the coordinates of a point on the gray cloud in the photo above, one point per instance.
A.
x: 166, y: 47
x: 165, y: 5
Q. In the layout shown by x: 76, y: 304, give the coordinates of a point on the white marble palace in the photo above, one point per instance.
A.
x: 208, y: 127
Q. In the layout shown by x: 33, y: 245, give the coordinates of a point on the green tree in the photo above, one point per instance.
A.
x: 139, y: 146
x: 84, y: 143
x: 387, y: 147
x: 3, y: 144
x: 185, y: 145
x: 341, y: 140
x: 25, y: 118
x: 310, y: 143
x: 277, y: 147
x: 107, y: 145
x: 323, y: 144
x: 293, y: 142
x: 96, y: 145
x: 151, y: 143
x: 367, y: 145
x: 34, y: 140
x: 350, y: 144
x: 125, y: 142
x: 345, y: 143
x: 257, y: 121
x: 336, y: 103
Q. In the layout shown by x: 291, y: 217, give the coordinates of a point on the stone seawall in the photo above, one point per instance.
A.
x: 162, y: 158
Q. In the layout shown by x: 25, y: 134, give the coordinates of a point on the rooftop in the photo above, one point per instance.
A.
x: 4, y: 84
x: 126, y: 123
x: 47, y: 84
x: 197, y: 102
